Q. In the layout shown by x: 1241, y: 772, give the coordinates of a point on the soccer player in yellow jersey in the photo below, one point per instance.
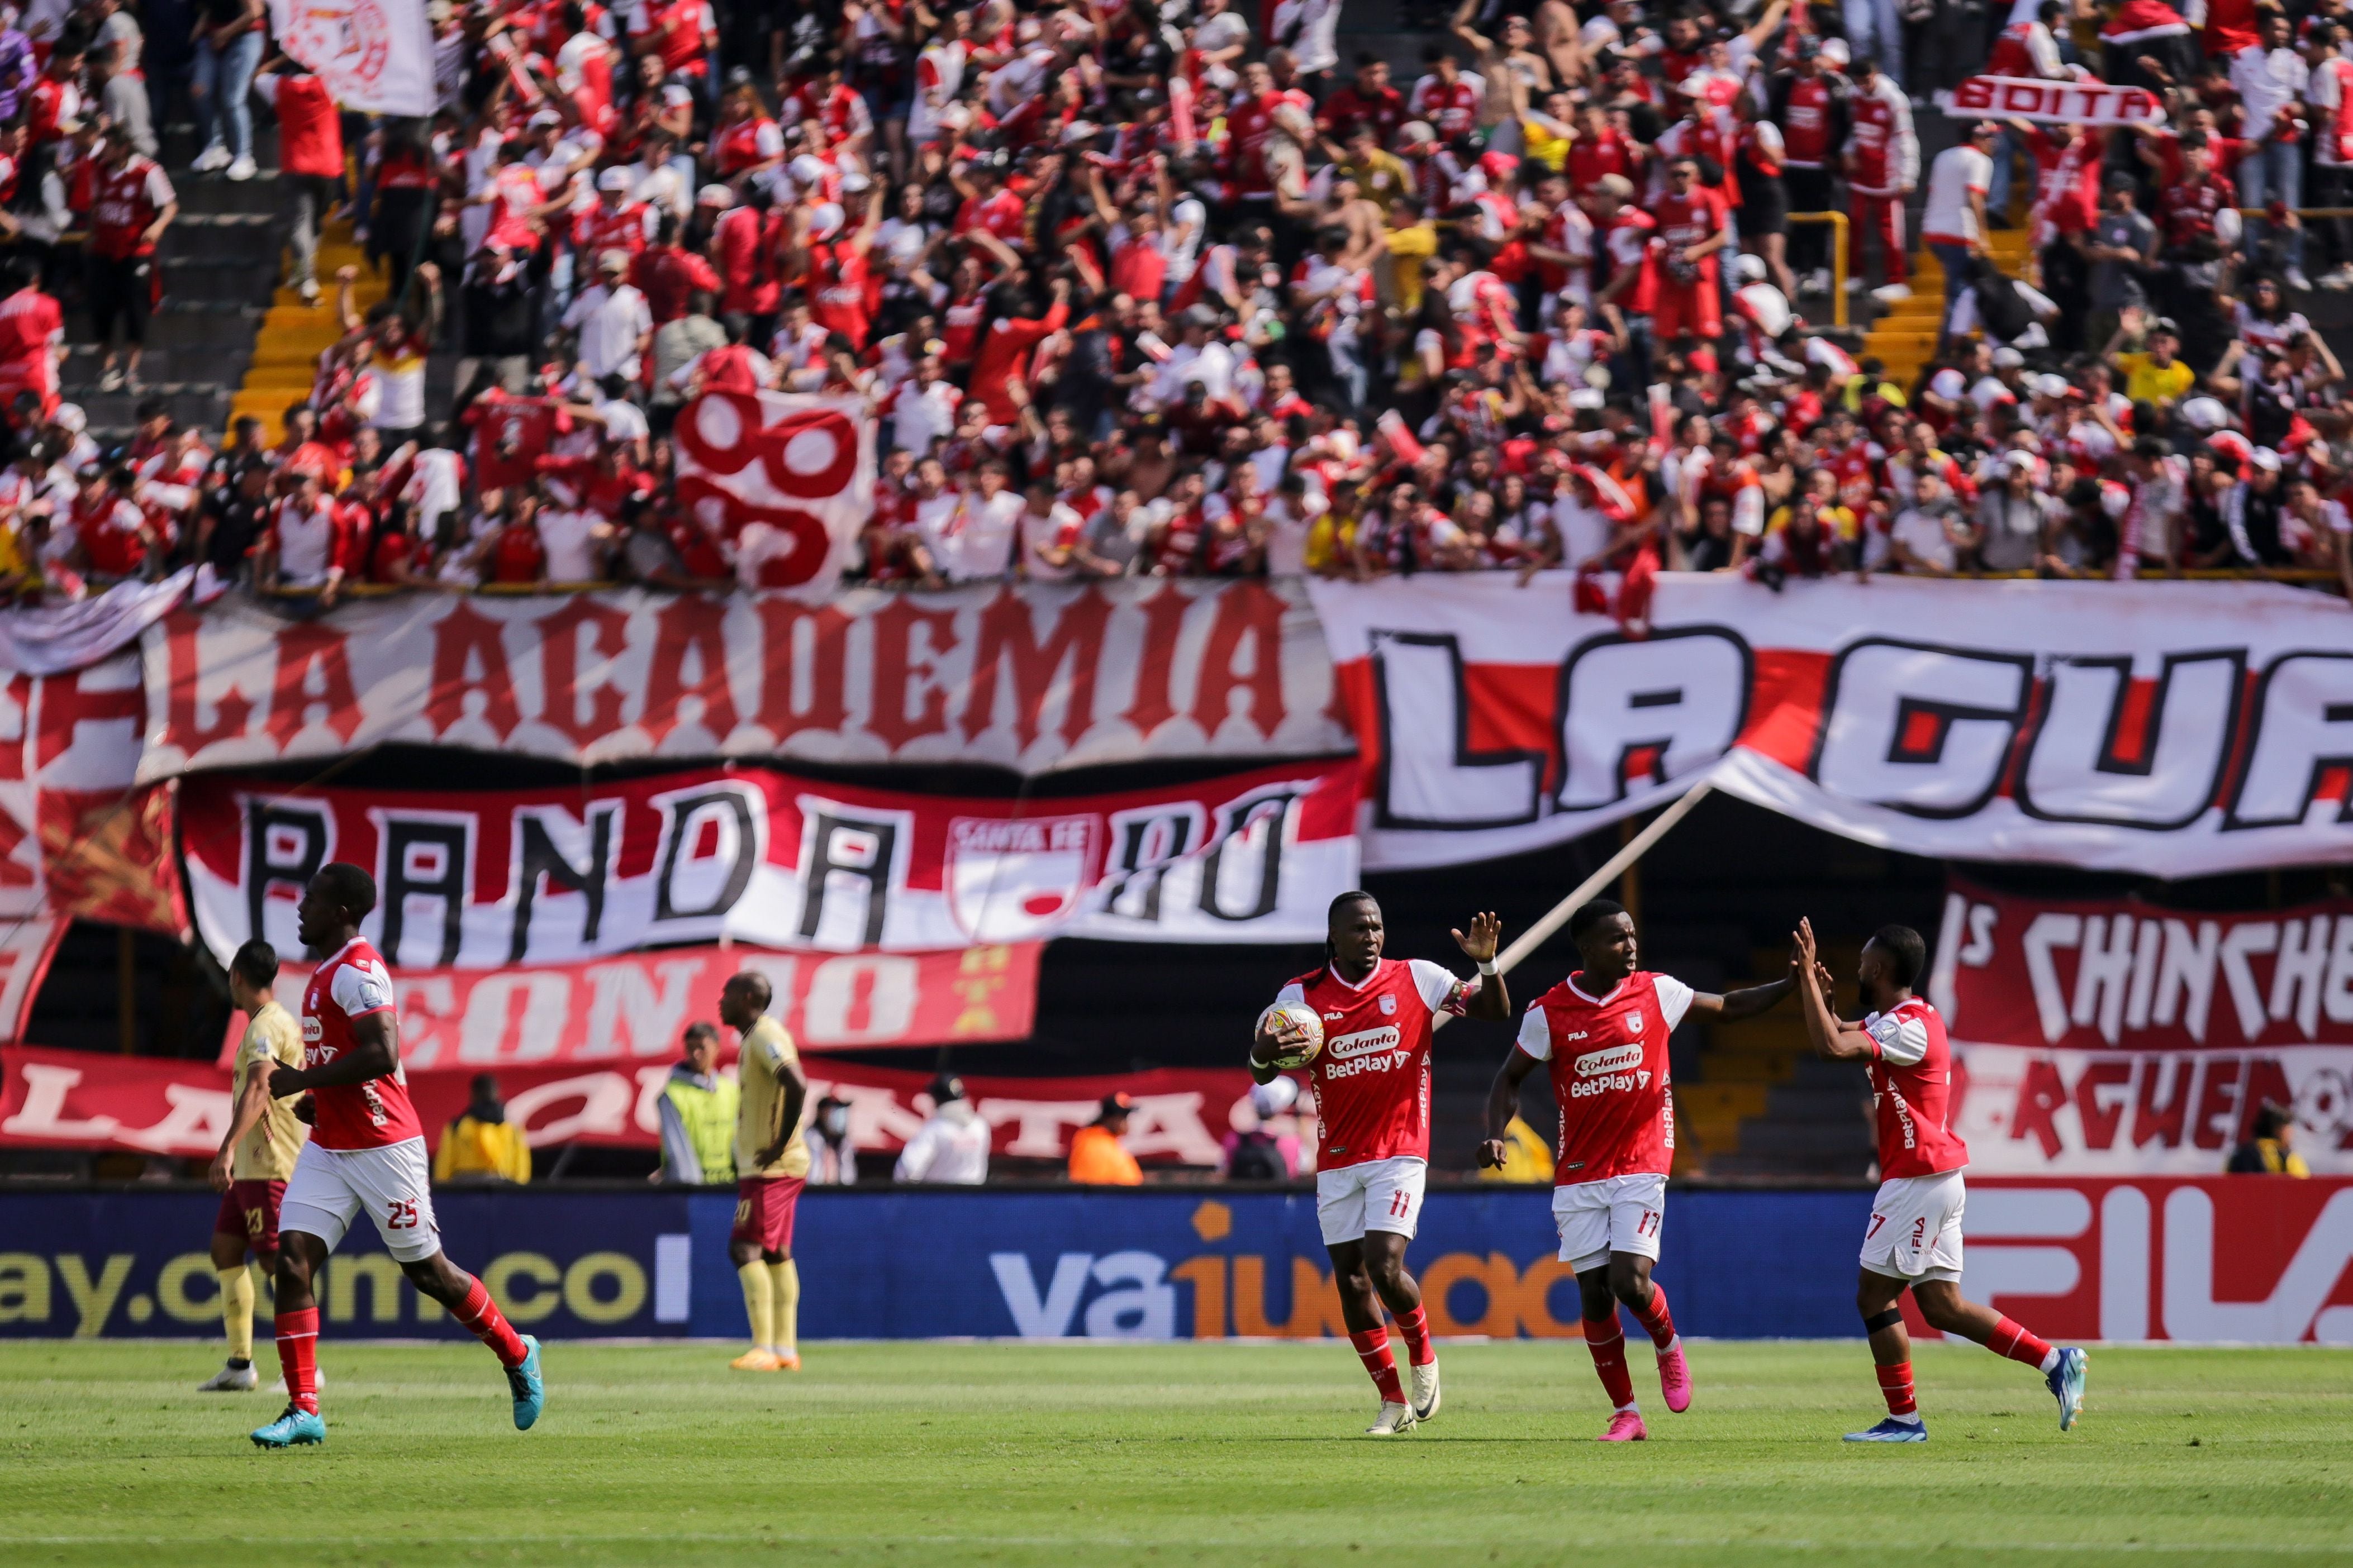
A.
x: 254, y: 1158
x: 772, y: 1164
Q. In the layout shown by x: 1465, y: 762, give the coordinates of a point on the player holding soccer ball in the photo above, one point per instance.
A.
x: 1361, y: 1027
x: 366, y: 1153
x: 1913, y: 1240
x: 1603, y: 1033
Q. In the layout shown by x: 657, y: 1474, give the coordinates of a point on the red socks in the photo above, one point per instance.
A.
x: 1607, y: 1341
x: 1895, y: 1384
x: 2012, y: 1338
x: 482, y: 1315
x: 1415, y: 1327
x: 298, y: 1352
x: 1373, y: 1350
x: 1654, y: 1318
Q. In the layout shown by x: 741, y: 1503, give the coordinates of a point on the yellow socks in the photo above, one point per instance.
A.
x: 785, y: 1287
x: 758, y: 1304
x: 236, y: 1311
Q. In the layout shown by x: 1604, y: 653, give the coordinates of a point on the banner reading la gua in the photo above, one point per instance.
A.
x: 2167, y: 729
x: 488, y: 878
x: 1032, y: 677
x: 2112, y: 1037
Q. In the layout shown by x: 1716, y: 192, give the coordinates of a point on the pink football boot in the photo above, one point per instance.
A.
x: 1674, y: 1377
x: 1625, y: 1427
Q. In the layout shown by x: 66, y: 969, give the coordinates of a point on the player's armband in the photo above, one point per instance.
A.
x: 1457, y: 1000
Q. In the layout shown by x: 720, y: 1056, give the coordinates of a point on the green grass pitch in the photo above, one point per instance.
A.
x: 1165, y: 1454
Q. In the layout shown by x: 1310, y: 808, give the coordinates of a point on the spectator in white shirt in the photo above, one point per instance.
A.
x: 574, y: 539
x: 2271, y: 80
x: 974, y: 543
x: 925, y: 410
x: 953, y: 1144
x: 615, y: 324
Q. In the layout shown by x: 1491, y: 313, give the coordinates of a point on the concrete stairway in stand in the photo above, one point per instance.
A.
x: 293, y: 334
x: 1904, y: 339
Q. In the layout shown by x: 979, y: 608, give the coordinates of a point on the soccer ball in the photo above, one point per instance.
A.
x: 1298, y: 1015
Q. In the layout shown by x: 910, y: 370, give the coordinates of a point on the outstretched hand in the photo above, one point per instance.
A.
x: 1486, y: 930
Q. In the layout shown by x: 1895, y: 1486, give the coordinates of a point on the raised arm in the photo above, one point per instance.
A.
x: 1834, y: 1039
x: 1489, y: 1000
x: 1747, y: 1003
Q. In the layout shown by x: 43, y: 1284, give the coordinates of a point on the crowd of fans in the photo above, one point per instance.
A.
x: 1171, y: 288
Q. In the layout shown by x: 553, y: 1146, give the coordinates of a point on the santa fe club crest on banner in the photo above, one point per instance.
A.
x: 374, y: 55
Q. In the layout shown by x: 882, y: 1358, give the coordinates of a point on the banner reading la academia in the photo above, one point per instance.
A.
x: 2167, y: 729
x: 1032, y: 677
x: 481, y: 878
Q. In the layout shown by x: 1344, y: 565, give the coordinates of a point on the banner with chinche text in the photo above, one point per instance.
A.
x: 374, y: 56
x: 2166, y: 729
x: 635, y: 1007
x: 488, y: 878
x: 86, y: 1100
x: 78, y: 838
x: 1031, y: 678
x: 2112, y: 1036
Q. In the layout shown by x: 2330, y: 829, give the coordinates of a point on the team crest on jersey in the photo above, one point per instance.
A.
x: 1634, y: 1022
x: 1011, y: 882
x: 1389, y: 1004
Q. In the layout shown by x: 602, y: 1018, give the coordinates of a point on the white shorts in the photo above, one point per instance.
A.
x: 1914, y: 1231
x: 1616, y: 1214
x: 393, y: 1184
x: 1378, y: 1194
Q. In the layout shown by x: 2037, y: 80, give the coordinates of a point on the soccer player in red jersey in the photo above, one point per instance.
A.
x: 366, y: 1152
x: 1913, y: 1241
x: 1371, y: 1083
x: 1602, y: 1033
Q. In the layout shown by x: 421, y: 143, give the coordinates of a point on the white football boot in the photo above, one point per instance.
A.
x: 231, y: 1380
x: 1425, y: 1390
x: 1394, y: 1421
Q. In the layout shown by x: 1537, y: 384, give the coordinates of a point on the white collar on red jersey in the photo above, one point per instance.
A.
x: 1570, y: 981
x: 1354, y: 984
x: 340, y: 951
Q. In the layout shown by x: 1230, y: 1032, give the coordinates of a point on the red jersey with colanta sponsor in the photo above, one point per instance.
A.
x: 1371, y: 1080
x: 377, y: 1114
x: 1911, y: 1091
x: 1607, y: 1057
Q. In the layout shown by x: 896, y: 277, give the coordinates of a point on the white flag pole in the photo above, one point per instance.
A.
x: 1610, y: 870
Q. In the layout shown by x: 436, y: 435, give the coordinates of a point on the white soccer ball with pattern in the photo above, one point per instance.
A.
x: 1300, y: 1015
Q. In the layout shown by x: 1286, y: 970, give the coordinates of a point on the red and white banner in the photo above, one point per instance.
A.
x: 69, y: 635
x: 76, y: 838
x: 788, y: 480
x: 636, y: 1007
x: 2215, y: 1260
x: 2054, y: 102
x: 1031, y: 678
x: 83, y: 1099
x: 2111, y: 1036
x: 491, y: 879
x: 27, y: 942
x: 374, y: 55
x: 2167, y: 729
